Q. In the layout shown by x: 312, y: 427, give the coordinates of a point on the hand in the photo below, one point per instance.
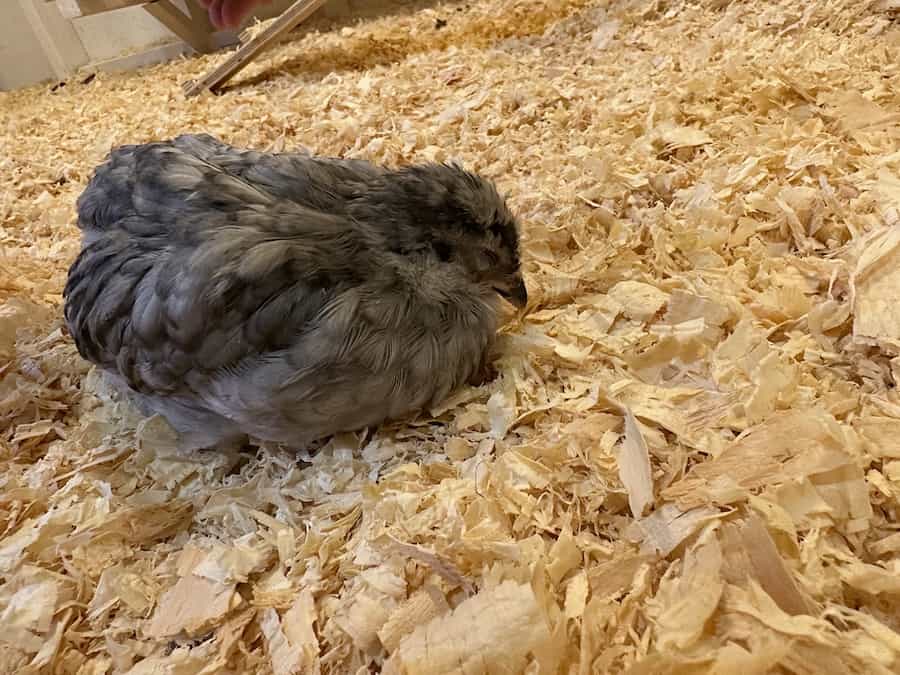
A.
x: 230, y: 13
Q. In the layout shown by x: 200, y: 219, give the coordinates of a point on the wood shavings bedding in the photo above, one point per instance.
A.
x: 690, y: 460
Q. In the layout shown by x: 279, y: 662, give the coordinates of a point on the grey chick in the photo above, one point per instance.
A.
x: 285, y: 296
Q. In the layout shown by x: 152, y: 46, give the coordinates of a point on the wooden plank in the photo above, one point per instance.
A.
x: 200, y: 17
x: 159, y: 54
x: 72, y: 9
x: 290, y: 18
x: 56, y: 36
x: 181, y: 24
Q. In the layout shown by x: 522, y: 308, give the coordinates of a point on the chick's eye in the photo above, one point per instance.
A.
x: 442, y: 251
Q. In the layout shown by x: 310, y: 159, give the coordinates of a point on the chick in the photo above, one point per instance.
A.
x: 285, y: 296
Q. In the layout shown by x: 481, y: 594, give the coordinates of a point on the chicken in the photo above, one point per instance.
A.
x: 284, y: 296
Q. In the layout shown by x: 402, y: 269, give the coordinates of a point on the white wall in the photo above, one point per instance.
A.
x: 22, y: 60
x: 45, y: 46
x: 111, y: 34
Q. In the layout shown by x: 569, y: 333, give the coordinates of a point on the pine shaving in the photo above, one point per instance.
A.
x: 690, y: 459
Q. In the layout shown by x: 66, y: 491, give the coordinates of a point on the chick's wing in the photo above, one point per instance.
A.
x: 189, y: 268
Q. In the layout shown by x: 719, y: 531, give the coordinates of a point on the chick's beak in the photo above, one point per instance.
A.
x: 515, y: 292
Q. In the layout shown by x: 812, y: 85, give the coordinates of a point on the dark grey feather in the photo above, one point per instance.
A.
x: 286, y: 296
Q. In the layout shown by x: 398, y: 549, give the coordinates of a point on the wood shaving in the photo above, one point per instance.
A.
x: 690, y: 460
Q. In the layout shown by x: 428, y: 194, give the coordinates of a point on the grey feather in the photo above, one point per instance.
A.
x: 286, y: 296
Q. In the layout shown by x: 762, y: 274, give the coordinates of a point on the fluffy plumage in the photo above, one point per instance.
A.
x: 285, y: 296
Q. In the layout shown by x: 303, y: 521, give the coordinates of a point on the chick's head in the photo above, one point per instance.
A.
x: 465, y: 223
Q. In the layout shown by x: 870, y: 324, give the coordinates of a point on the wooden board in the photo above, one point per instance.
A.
x: 292, y: 16
x: 57, y: 37
x: 72, y: 9
x: 159, y: 54
x: 200, y: 16
x: 194, y: 29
